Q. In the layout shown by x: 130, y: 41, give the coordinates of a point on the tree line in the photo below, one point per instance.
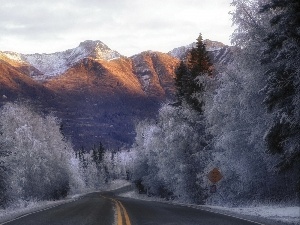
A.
x: 243, y: 119
x: 38, y: 163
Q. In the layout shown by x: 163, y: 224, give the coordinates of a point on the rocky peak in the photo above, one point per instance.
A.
x: 98, y: 50
x: 218, y: 52
x: 181, y: 52
x: 92, y: 44
x: 213, y: 45
x: 12, y: 56
x: 55, y: 64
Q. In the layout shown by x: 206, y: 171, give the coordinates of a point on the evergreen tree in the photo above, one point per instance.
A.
x: 182, y: 81
x: 200, y: 66
x: 283, y: 81
x: 98, y: 154
x: 199, y: 61
x: 98, y: 158
x: 188, y: 76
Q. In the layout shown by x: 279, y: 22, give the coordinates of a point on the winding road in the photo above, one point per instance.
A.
x: 105, y: 208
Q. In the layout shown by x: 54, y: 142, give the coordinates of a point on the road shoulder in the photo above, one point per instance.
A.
x: 259, y: 215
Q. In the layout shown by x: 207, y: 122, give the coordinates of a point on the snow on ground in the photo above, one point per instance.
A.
x: 116, y: 184
x: 135, y: 195
x: 275, y: 214
x: 286, y: 214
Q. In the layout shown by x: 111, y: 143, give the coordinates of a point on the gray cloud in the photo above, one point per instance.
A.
x: 129, y: 26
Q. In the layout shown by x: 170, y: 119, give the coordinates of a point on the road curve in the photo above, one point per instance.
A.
x: 107, y: 209
x: 155, y: 213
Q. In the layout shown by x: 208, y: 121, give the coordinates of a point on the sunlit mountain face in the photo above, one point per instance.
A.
x: 96, y: 92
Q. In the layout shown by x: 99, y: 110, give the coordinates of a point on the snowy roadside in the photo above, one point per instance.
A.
x: 264, y: 215
x: 277, y: 213
x: 23, y: 208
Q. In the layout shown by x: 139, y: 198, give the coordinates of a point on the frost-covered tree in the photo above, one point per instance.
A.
x: 3, y: 169
x: 175, y: 151
x: 91, y: 168
x: 99, y: 166
x: 144, y: 171
x: 170, y: 154
x: 282, y: 55
x: 237, y: 121
x: 237, y: 118
x: 39, y: 162
x: 251, y: 26
x: 117, y: 163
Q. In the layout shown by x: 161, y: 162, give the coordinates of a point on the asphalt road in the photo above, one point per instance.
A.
x: 107, y: 209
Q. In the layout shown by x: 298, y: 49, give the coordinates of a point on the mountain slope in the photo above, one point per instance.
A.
x: 54, y: 64
x: 16, y: 83
x: 146, y: 74
x: 96, y: 92
x: 100, y: 99
x: 97, y: 77
x: 156, y: 73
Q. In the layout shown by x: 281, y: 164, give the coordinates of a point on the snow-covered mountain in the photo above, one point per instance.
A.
x: 155, y: 72
x: 42, y: 67
x: 219, y: 53
x: 12, y: 56
x: 96, y: 92
x: 181, y: 52
x: 57, y: 63
x: 51, y: 65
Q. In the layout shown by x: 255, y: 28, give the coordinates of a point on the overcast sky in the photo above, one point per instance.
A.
x: 127, y: 26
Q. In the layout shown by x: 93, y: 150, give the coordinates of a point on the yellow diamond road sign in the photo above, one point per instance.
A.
x: 214, y: 176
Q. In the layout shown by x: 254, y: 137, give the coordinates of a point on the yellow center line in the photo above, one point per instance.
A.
x: 119, y: 214
x: 121, y: 211
x: 127, y: 220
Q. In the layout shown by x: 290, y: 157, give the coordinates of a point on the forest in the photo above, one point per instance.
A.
x: 37, y: 163
x: 243, y: 119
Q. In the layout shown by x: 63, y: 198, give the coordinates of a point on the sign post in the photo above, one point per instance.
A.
x: 214, y: 176
x: 213, y: 188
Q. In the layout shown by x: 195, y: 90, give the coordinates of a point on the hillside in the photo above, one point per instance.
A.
x: 96, y: 92
x: 16, y: 83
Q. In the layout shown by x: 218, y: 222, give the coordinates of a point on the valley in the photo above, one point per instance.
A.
x: 97, y: 93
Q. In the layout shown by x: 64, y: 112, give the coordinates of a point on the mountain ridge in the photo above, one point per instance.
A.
x: 54, y: 64
x: 95, y: 91
x: 49, y: 65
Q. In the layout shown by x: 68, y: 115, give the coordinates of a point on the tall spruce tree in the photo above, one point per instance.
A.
x: 182, y: 80
x: 98, y: 154
x: 283, y: 81
x: 187, y: 75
